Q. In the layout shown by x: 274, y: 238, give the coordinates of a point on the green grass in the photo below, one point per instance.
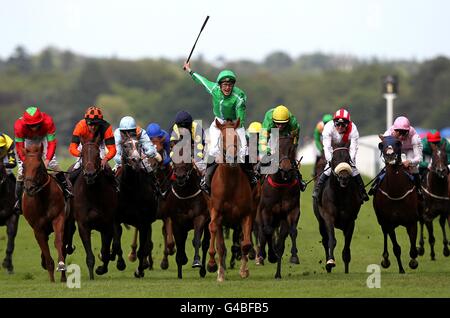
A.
x: 308, y: 279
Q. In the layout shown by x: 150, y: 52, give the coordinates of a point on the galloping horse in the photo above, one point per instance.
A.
x: 186, y: 206
x: 94, y: 205
x: 279, y: 206
x: 137, y: 199
x: 339, y: 205
x: 44, y: 208
x: 230, y: 202
x: 435, y: 185
x: 396, y: 203
x: 7, y: 215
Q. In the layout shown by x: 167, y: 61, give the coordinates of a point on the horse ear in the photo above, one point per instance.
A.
x: 381, y: 137
x: 380, y: 146
x: 238, y: 123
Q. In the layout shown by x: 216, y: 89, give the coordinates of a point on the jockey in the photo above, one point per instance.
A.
x: 160, y: 137
x: 433, y: 137
x: 280, y: 117
x: 184, y: 120
x: 318, y: 138
x: 229, y: 103
x: 88, y: 129
x: 37, y: 126
x: 340, y: 129
x: 411, y: 148
x: 7, y: 154
x: 253, y: 135
x: 128, y: 125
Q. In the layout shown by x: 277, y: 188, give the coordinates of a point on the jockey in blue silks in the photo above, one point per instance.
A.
x: 160, y: 138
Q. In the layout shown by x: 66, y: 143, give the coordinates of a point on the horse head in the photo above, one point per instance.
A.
x: 34, y: 172
x: 286, y: 149
x: 182, y: 172
x: 439, y: 161
x: 90, y: 154
x: 131, y: 150
x: 391, y: 149
x: 229, y: 140
x: 340, y: 163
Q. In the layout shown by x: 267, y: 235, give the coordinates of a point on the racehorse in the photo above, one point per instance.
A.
x: 43, y: 207
x: 279, y: 206
x: 338, y: 206
x: 396, y: 202
x: 94, y: 205
x: 137, y: 199
x: 435, y: 185
x: 186, y: 207
x: 230, y: 202
x: 7, y: 215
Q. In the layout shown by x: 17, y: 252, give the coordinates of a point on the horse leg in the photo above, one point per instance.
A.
x: 246, y: 244
x: 107, y: 237
x: 148, y: 261
x: 11, y: 231
x: 221, y: 250
x: 181, y: 257
x: 346, y: 253
x: 445, y: 241
x: 431, y: 239
x: 196, y: 241
x: 252, y: 251
x: 385, y: 263
x: 421, y: 249
x: 117, y: 247
x: 205, y: 245
x: 213, y: 227
x: 280, y: 245
x: 294, y: 217
x: 235, y: 248
x: 397, y: 250
x: 143, y: 251
x: 261, y: 253
x: 85, y: 235
x: 58, y: 228
x: 69, y: 231
x: 324, y: 234
x: 132, y: 254
x: 331, y: 245
x: 412, y: 233
x: 169, y: 244
x: 42, y: 239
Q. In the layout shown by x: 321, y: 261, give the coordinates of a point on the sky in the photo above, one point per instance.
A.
x: 237, y: 29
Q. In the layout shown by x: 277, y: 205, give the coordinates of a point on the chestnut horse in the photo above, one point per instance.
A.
x: 43, y: 207
x: 231, y: 202
x: 279, y: 207
x: 339, y: 205
x: 435, y: 185
x: 94, y: 205
x: 7, y: 215
x: 396, y: 202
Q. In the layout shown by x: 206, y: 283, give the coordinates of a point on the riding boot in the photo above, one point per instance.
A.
x: 65, y: 184
x: 417, y: 183
x: 205, y: 183
x: 248, y: 169
x: 301, y: 182
x: 319, y: 186
x: 362, y: 189
x: 19, y: 193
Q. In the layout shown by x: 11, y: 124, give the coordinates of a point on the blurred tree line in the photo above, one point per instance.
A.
x: 64, y: 84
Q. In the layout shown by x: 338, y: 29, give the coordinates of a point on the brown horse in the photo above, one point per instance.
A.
x: 339, y: 205
x: 187, y: 209
x: 279, y: 207
x: 396, y: 203
x: 44, y: 208
x: 7, y: 215
x: 230, y: 202
x: 94, y: 205
x: 435, y: 185
x: 137, y: 199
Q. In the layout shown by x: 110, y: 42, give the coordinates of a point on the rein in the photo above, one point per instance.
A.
x: 397, y: 198
x: 40, y: 187
x: 188, y: 197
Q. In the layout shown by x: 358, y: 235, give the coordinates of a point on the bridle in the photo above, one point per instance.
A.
x: 36, y: 185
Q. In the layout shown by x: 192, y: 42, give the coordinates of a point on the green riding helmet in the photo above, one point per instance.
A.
x: 226, y: 76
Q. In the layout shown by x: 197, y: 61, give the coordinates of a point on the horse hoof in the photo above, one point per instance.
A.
x: 420, y: 251
x: 433, y: 257
x: 101, y: 270
x: 184, y: 260
x: 385, y: 263
x: 259, y: 261
x: 61, y: 267
x: 244, y: 273
x: 294, y: 259
x: 277, y: 276
x: 446, y: 251
x: 196, y: 264
x: 150, y: 263
x: 212, y: 267
x: 121, y: 264
x: 202, y: 272
x: 401, y: 271
x: 164, y: 264
x: 70, y: 249
x: 138, y: 274
x: 171, y: 251
x: 330, y: 264
x: 413, y: 264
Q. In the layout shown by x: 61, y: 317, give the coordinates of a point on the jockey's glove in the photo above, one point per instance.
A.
x: 158, y: 157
